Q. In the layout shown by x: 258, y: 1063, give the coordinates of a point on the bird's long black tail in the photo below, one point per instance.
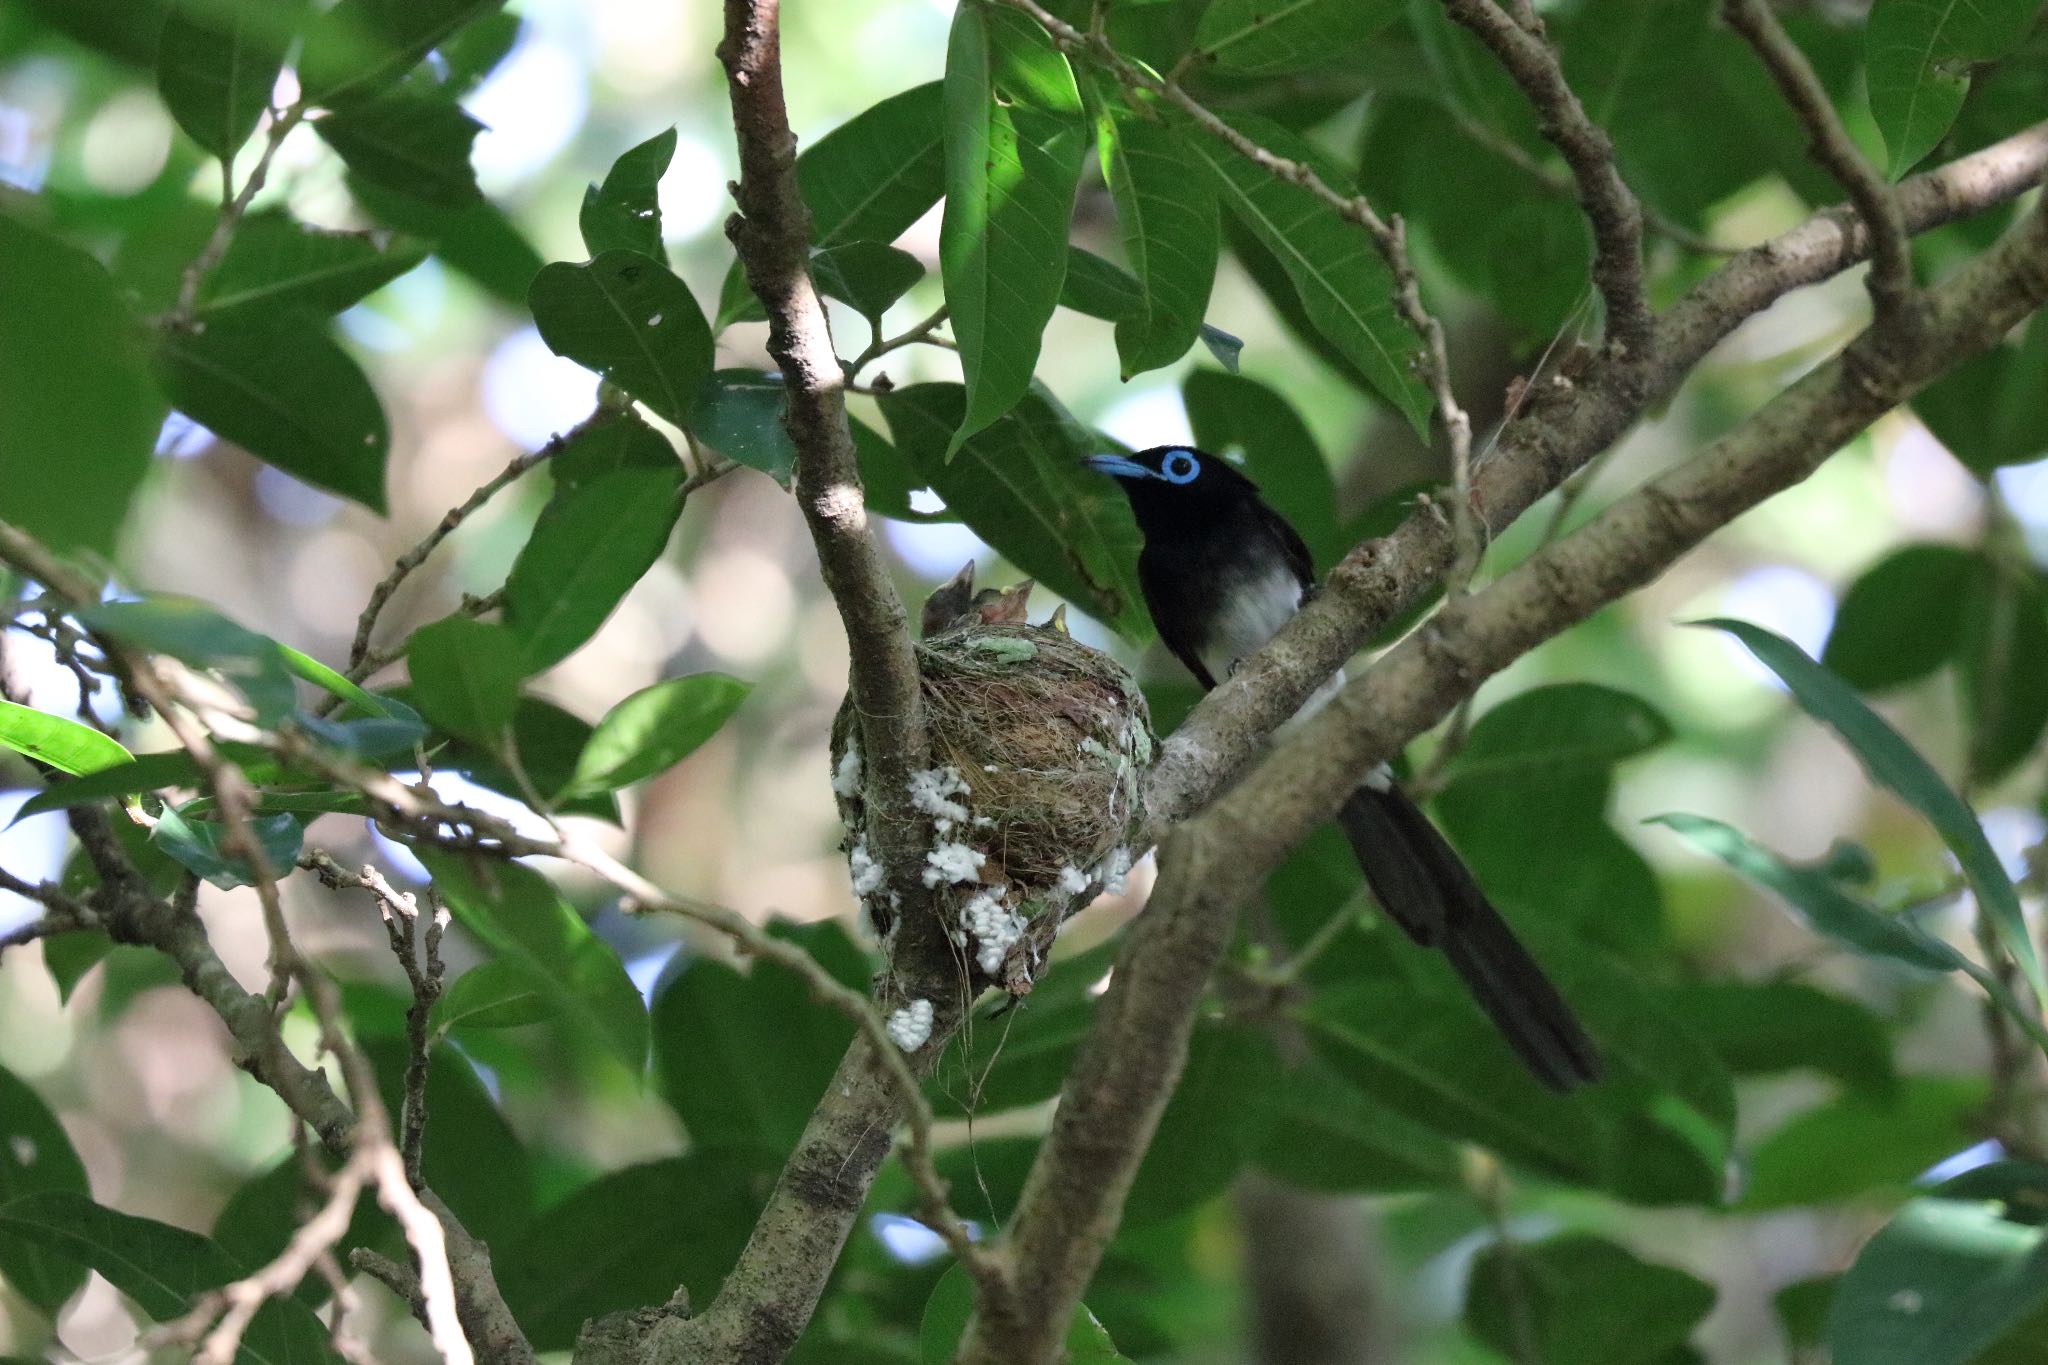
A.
x: 1427, y: 889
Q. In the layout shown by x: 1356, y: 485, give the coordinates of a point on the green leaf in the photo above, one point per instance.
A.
x: 655, y: 729
x: 517, y: 913
x: 69, y: 957
x: 951, y: 1304
x: 196, y: 634
x: 1582, y: 1298
x: 478, y: 240
x: 1899, y: 620
x: 1890, y: 760
x: 82, y: 388
x: 1919, y: 53
x: 626, y: 316
x: 1022, y: 488
x: 35, y: 1155
x: 163, y: 1269
x: 1861, y: 1144
x: 887, y: 478
x: 465, y: 677
x: 1026, y: 1059
x: 743, y: 1057
x: 143, y: 773
x: 414, y: 141
x: 275, y: 261
x: 1271, y: 37
x: 360, y: 45
x: 1013, y: 161
x: 867, y: 180
x: 1342, y: 284
x: 303, y: 665
x: 1992, y: 410
x: 261, y: 1216
x: 581, y: 561
x: 278, y: 386
x: 598, y: 1251
x: 1626, y: 58
x: 197, y: 845
x: 470, y: 1156
x: 1219, y: 1110
x: 216, y: 64
x: 739, y: 415
x: 1559, y: 728
x: 622, y: 441
x: 1949, y: 1273
x: 2004, y: 669
x: 624, y: 213
x: 1325, y: 1134
x: 548, y: 741
x: 499, y: 993
x: 1761, y: 1028
x: 64, y: 744
x: 1166, y: 211
x: 476, y: 50
x: 1234, y: 414
x: 868, y: 277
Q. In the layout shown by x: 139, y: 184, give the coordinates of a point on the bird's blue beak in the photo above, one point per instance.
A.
x: 1117, y: 467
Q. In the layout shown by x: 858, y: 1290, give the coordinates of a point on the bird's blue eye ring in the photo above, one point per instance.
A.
x: 1179, y: 467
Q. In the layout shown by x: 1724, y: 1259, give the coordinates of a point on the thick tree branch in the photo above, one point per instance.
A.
x: 1126, y: 1071
x: 1609, y: 204
x: 770, y: 232
x: 1891, y: 270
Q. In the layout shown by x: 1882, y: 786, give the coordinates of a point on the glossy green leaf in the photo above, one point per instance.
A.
x: 1761, y: 1028
x: 196, y: 634
x: 739, y: 415
x: 655, y: 729
x: 1166, y: 213
x: 622, y: 441
x: 302, y: 665
x: 624, y: 213
x: 1013, y: 161
x: 477, y: 240
x: 867, y: 180
x: 626, y: 316
x: 144, y: 773
x: 83, y: 388
x: 465, y: 677
x: 1863, y: 1144
x: 359, y: 46
x: 63, y: 743
x: 1099, y: 289
x: 742, y: 1057
x: 278, y: 386
x: 868, y: 277
x: 216, y: 64
x: 1565, y: 726
x: 276, y: 261
x: 415, y: 142
x: 887, y: 478
x: 499, y: 993
x: 1342, y: 285
x: 163, y: 1269
x: 1582, y: 1298
x: 1899, y: 620
x: 1234, y: 415
x: 35, y: 1155
x: 598, y: 1251
x: 548, y: 741
x: 581, y: 562
x: 1992, y: 410
x: 1893, y: 762
x: 1271, y: 37
x: 1949, y: 1273
x: 1919, y: 53
x: 951, y: 1304
x: 1022, y: 488
x: 200, y: 846
x: 516, y: 912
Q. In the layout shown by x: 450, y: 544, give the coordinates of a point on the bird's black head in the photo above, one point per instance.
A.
x: 1177, y: 483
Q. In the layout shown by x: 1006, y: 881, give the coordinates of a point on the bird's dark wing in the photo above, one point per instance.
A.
x: 1291, y: 545
x: 1173, y: 609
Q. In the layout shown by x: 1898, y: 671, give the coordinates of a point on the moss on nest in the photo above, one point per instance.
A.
x: 1051, y: 739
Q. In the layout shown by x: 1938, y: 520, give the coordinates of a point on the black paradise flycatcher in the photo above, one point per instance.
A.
x: 1221, y: 573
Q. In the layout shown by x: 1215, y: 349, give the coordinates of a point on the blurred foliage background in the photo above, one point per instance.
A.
x: 1855, y: 1076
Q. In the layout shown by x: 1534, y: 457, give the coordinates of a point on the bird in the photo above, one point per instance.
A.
x: 1221, y: 572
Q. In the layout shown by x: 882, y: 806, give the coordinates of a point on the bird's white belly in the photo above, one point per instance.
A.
x: 1253, y: 610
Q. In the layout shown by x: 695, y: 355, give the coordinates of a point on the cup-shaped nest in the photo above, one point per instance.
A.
x: 1039, y: 747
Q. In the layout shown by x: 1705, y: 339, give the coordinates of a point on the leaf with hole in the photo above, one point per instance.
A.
x: 626, y: 316
x: 624, y: 213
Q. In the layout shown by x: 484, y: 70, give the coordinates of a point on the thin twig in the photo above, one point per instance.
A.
x: 1891, y: 259
x: 880, y: 346
x: 233, y: 208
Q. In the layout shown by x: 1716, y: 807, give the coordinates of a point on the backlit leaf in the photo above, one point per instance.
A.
x: 626, y: 316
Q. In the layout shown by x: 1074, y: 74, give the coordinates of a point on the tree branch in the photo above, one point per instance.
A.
x: 1609, y: 204
x: 1127, y: 1068
x: 1891, y: 272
